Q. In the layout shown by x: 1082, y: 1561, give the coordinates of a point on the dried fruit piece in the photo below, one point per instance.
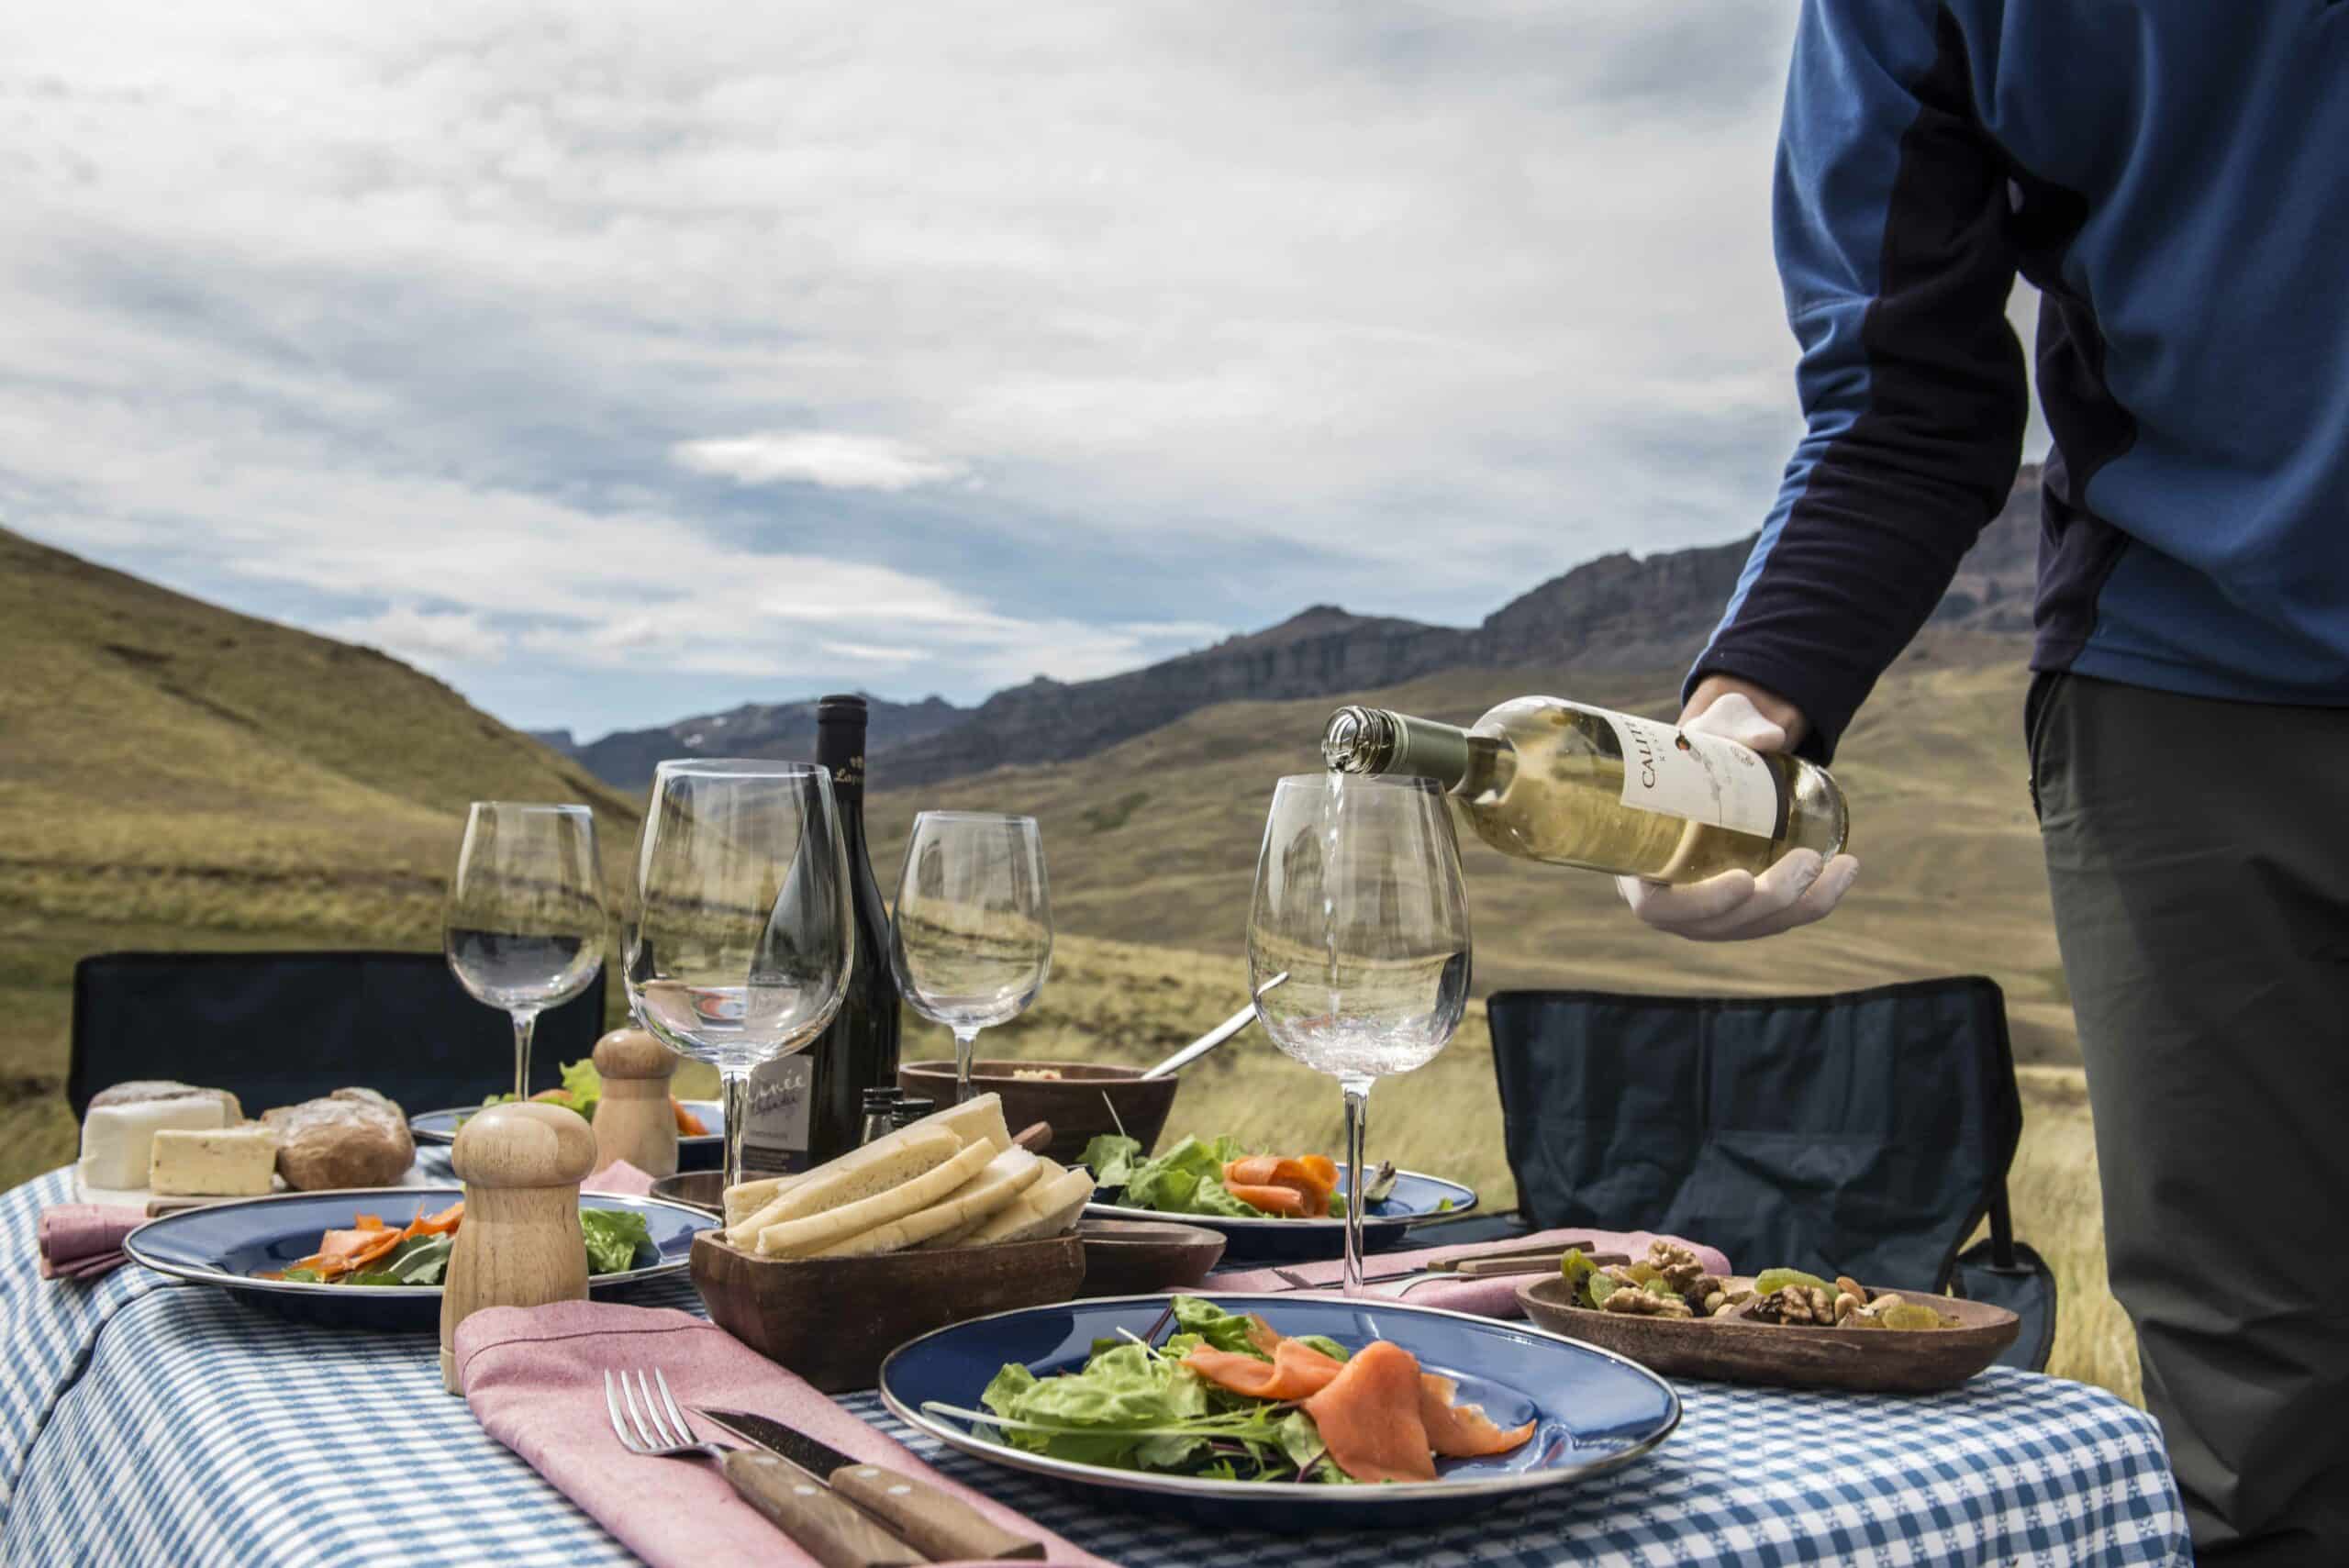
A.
x: 1769, y: 1282
x: 1912, y: 1316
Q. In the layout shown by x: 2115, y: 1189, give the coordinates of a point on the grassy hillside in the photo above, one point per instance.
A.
x: 175, y: 775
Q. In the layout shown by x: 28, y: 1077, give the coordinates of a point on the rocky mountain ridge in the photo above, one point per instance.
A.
x: 1617, y: 612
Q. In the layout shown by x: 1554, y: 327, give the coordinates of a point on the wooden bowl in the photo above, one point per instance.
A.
x: 701, y: 1189
x: 832, y: 1320
x: 1074, y: 1103
x: 1132, y: 1257
x: 1736, y: 1350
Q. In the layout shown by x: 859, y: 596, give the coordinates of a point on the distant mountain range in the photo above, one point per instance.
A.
x: 1618, y: 612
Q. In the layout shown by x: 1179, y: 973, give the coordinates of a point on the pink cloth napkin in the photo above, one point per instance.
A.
x: 83, y: 1241
x: 1494, y: 1297
x: 620, y: 1179
x: 534, y: 1377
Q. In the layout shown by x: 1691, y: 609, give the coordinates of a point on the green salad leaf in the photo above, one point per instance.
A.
x: 582, y: 1091
x: 1135, y: 1408
x: 419, y: 1260
x: 1111, y: 1157
x: 613, y: 1236
x: 1187, y: 1179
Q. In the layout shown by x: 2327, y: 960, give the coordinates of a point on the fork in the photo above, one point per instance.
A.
x: 824, y: 1525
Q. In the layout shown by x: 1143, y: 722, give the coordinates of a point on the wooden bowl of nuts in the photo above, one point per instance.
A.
x: 1799, y: 1333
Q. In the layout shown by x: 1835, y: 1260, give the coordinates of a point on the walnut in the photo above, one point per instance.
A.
x: 1795, y: 1304
x: 1676, y: 1264
x: 1634, y: 1302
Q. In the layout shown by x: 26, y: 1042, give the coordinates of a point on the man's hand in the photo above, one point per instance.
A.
x: 1736, y: 904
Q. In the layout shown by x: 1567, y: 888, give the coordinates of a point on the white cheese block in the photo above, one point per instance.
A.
x: 118, y: 1142
x: 230, y: 1161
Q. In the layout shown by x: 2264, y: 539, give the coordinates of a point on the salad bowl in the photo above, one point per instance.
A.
x: 1590, y: 1411
x: 229, y: 1244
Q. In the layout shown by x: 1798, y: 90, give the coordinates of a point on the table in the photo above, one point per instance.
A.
x: 148, y: 1422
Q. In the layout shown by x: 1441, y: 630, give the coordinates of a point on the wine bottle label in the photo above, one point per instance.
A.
x: 782, y: 1097
x: 1685, y: 772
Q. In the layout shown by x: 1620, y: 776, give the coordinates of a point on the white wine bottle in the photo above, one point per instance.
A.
x: 1545, y: 779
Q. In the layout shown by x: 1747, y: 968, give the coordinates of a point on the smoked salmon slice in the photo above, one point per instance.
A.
x: 1462, y: 1431
x: 1314, y: 1176
x: 1369, y: 1417
x: 1295, y: 1371
x: 1286, y: 1202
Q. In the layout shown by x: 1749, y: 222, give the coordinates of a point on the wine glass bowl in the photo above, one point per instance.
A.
x: 1360, y: 903
x: 524, y: 927
x: 739, y: 939
x: 971, y: 935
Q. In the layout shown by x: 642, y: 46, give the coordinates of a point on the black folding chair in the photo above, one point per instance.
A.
x: 276, y: 1027
x: 1867, y: 1133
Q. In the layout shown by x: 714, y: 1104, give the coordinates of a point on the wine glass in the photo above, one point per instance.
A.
x: 737, y: 940
x: 972, y: 939
x: 1358, y: 901
x: 523, y: 930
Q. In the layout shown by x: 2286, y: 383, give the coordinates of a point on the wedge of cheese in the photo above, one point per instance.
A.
x: 118, y: 1142
x: 813, y: 1232
x: 230, y: 1161
x: 997, y: 1184
x: 1046, y: 1208
x: 862, y: 1172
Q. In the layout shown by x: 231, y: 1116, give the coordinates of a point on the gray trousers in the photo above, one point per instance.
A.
x: 2199, y: 853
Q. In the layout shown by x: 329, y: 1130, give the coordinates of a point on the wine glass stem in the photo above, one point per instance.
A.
x: 966, y: 1042
x: 737, y: 1081
x: 525, y: 1026
x: 1357, y: 1092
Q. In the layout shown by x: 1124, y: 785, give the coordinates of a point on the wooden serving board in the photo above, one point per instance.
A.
x: 156, y: 1205
x: 1733, y: 1349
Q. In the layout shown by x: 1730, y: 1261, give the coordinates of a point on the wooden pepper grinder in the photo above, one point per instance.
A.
x: 634, y: 1120
x: 520, y: 1244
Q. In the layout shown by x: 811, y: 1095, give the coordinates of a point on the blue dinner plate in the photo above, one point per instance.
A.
x: 705, y: 1152
x: 1593, y: 1411
x: 1415, y: 1200
x: 228, y: 1243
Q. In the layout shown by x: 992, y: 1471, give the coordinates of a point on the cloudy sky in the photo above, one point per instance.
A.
x: 622, y: 362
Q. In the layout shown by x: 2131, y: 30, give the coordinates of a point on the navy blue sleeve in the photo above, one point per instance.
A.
x: 1890, y: 217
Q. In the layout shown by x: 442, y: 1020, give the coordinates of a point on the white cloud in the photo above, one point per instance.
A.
x: 433, y: 639
x: 335, y: 309
x: 835, y: 461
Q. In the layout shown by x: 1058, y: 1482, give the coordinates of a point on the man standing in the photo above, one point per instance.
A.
x: 2174, y: 177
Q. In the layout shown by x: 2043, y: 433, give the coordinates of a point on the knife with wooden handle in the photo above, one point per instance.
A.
x: 933, y: 1521
x: 823, y: 1523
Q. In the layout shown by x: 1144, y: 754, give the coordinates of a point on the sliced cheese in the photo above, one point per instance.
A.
x: 1046, y: 1208
x: 999, y: 1183
x: 1046, y: 1171
x: 814, y: 1232
x: 230, y: 1161
x: 865, y: 1173
x: 861, y: 1172
x: 118, y: 1142
x: 747, y: 1198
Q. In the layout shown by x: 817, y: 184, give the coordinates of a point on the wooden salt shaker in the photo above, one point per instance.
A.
x: 520, y: 1244
x: 634, y: 1120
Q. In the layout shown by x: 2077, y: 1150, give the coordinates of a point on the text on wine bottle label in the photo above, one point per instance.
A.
x: 1702, y: 777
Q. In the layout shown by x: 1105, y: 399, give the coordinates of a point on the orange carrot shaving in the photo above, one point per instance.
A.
x: 688, y: 1124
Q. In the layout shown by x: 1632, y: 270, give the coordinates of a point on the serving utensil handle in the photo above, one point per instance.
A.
x: 942, y: 1526
x: 824, y: 1525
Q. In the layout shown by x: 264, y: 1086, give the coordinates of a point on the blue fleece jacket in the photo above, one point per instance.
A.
x: 2174, y: 177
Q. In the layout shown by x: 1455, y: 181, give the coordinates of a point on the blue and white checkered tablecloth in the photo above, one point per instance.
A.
x: 145, y: 1422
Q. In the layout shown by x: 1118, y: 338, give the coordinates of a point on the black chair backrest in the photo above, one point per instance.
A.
x: 1865, y: 1133
x: 277, y: 1028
